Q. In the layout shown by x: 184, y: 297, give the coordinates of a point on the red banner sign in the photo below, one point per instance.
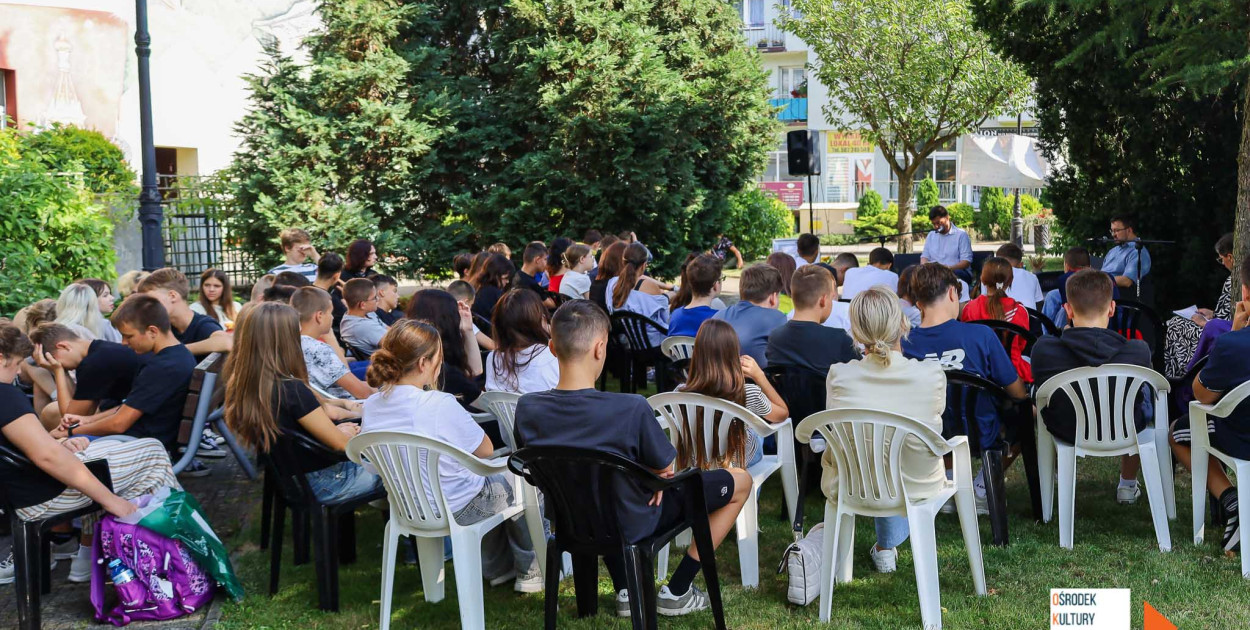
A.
x: 790, y: 193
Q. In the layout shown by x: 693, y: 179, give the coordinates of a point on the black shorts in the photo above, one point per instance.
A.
x: 718, y: 491
x: 1220, y: 435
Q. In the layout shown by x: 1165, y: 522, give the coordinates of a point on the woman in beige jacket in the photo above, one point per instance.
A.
x: 886, y: 380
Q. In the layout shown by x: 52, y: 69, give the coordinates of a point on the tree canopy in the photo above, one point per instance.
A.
x: 1135, y: 141
x: 441, y: 125
x: 909, y: 75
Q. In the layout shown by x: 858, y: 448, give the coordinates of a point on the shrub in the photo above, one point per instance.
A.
x: 994, y: 219
x: 870, y: 204
x: 52, y: 230
x: 887, y: 223
x: 962, y: 214
x: 754, y: 219
x: 926, y: 196
x: 68, y: 149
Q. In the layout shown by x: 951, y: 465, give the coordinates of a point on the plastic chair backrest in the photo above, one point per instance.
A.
x: 1049, y: 280
x: 1229, y: 402
x: 634, y: 327
x: 15, y: 465
x: 289, y: 458
x: 867, y: 447
x: 1040, y: 324
x: 1132, y: 316
x: 1008, y: 333
x: 804, y: 391
x: 699, y: 425
x: 1104, y: 402
x: 581, y: 491
x: 503, y: 406
x: 972, y: 388
x: 482, y: 324
x: 678, y: 348
x: 408, y: 466
x: 903, y: 261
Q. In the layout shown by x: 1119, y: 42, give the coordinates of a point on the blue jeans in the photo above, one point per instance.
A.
x: 891, y: 531
x: 503, y: 547
x: 342, y: 481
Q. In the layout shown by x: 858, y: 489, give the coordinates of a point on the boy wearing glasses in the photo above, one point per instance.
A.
x: 361, y: 329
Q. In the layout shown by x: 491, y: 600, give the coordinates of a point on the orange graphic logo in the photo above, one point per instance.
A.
x: 1155, y: 620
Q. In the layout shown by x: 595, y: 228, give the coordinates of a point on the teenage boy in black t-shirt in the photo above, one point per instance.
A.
x: 153, y: 407
x: 533, y: 262
x: 805, y: 342
x: 575, y: 414
x: 201, y: 334
x: 105, y: 371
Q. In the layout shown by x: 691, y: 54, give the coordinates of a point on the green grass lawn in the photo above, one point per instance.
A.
x: 1195, y: 587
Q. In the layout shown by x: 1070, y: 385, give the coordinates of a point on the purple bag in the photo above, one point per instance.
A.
x: 173, y: 584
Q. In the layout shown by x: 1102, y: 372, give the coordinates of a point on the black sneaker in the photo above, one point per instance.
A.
x: 207, y: 449
x: 1232, y: 528
x: 196, y: 469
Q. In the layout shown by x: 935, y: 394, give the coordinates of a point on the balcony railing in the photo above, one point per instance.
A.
x: 765, y: 37
x: 793, y: 108
x: 946, y: 191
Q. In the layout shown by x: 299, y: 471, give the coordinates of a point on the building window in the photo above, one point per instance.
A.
x: 778, y: 167
x: 789, y: 80
x: 8, y: 98
x: 752, y: 12
x: 942, y: 168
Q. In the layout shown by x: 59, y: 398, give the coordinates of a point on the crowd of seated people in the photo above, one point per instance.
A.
x: 328, y: 348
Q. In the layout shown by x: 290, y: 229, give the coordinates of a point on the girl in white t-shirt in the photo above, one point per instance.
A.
x: 521, y: 362
x: 405, y: 369
x: 577, y: 261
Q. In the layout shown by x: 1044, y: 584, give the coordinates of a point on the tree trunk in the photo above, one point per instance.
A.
x: 905, y: 186
x: 1242, y: 221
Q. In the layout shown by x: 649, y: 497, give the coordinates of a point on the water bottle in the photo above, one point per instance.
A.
x: 129, y: 590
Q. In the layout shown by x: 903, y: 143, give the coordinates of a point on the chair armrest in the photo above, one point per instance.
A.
x: 761, y: 426
x: 485, y: 467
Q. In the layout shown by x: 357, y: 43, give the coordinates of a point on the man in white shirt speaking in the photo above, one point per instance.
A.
x: 948, y: 245
x: 877, y: 273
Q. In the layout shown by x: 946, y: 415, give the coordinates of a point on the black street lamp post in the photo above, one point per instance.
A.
x: 151, y: 216
x: 1017, y: 218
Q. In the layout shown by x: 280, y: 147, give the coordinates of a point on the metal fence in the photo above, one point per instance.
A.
x: 195, y: 240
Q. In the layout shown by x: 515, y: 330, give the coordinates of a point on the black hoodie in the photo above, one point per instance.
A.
x: 1084, y: 347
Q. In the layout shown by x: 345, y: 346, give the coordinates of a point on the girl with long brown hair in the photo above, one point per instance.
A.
x: 996, y: 277
x: 406, y: 369
x: 475, y: 268
x: 630, y: 291
x: 267, y: 396
x: 490, y: 282
x: 217, y: 298
x: 521, y: 362
x: 717, y: 370
x: 783, y: 263
x: 611, y: 259
x: 361, y: 257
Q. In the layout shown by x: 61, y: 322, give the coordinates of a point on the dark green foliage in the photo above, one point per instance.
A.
x: 52, y: 231
x: 962, y: 214
x: 886, y: 222
x: 870, y: 204
x: 68, y: 149
x: 926, y: 195
x: 453, y: 124
x: 1157, y: 152
x: 754, y: 219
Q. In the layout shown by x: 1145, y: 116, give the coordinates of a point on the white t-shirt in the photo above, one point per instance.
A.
x: 432, y: 414
x: 1024, y: 288
x: 840, y: 317
x: 540, y: 372
x: 861, y: 278
x: 799, y: 261
x: 221, y: 313
x: 576, y: 284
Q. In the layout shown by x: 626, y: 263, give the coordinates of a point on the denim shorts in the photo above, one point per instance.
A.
x: 342, y: 481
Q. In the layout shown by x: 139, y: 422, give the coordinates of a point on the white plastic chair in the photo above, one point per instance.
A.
x: 1200, y: 447
x: 678, y: 348
x: 397, y: 458
x: 679, y: 411
x: 502, y: 406
x: 867, y: 448
x: 1105, y: 430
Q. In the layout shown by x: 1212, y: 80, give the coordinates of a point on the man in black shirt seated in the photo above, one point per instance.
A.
x: 575, y: 414
x: 153, y: 407
x: 105, y: 371
x: 805, y: 342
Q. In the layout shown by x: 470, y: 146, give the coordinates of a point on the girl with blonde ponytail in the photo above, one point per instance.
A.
x: 886, y: 380
x: 405, y: 369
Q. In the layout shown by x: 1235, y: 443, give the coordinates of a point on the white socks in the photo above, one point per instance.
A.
x: 1128, y: 483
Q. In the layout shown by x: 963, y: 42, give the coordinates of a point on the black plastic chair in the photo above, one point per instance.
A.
x: 1010, y: 412
x: 1039, y: 324
x: 1008, y: 333
x: 805, y: 393
x: 632, y: 328
x: 482, y: 324
x: 1135, y: 317
x: 333, y: 524
x: 1049, y: 280
x: 579, y: 486
x: 903, y: 261
x: 32, y: 553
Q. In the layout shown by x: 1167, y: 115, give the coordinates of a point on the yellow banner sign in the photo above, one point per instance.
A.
x: 850, y: 142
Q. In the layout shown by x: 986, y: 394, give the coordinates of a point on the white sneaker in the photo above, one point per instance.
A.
x: 8, y: 569
x: 671, y: 605
x: 505, y: 577
x: 983, y: 505
x: 65, y: 550
x: 885, y: 560
x: 529, y: 584
x: 80, y: 566
x: 1125, y: 495
x: 948, y: 507
x: 622, y: 603
x: 212, y: 435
